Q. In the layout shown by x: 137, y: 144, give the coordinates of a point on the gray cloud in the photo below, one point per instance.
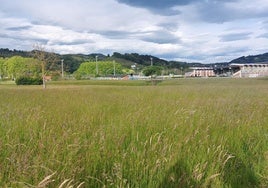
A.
x: 224, y: 11
x: 227, y: 51
x: 265, y: 25
x: 215, y: 12
x: 199, y: 30
x: 158, y: 36
x: 155, y: 4
x: 235, y: 37
x: 166, y: 7
x: 163, y: 4
x: 264, y: 35
x: 161, y: 37
x: 212, y: 11
x: 170, y: 26
x: 116, y: 34
x: 73, y: 42
x: 24, y: 38
x: 163, y: 7
x: 19, y: 28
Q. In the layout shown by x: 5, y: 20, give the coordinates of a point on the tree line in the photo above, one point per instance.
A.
x: 39, y: 63
x: 16, y: 66
x: 73, y: 61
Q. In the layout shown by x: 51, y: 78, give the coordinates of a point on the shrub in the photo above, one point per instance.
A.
x: 29, y: 81
x: 78, y: 76
x: 152, y: 70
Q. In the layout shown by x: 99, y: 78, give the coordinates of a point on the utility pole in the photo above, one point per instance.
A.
x: 114, y: 67
x: 97, y: 70
x: 62, y: 74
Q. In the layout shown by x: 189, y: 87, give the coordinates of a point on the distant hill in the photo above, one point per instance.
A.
x: 5, y: 52
x: 145, y: 60
x: 73, y: 61
x: 262, y: 58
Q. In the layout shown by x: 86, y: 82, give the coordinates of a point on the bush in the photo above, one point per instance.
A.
x: 29, y: 81
x: 78, y: 76
x: 152, y: 70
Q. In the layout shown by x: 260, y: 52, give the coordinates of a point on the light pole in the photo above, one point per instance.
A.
x: 62, y: 74
x: 114, y: 67
x: 97, y: 70
x: 151, y: 61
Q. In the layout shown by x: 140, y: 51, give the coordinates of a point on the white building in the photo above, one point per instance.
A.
x: 201, y: 72
x: 249, y: 70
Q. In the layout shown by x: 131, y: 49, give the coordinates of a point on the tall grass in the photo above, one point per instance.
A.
x: 183, y: 133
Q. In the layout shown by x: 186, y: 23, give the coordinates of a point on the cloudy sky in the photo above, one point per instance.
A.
x: 190, y: 30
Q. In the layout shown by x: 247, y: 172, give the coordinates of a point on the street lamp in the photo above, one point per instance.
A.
x: 97, y: 70
x: 114, y: 67
x: 62, y: 74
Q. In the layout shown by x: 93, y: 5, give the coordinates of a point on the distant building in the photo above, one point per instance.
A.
x: 249, y: 70
x: 48, y: 78
x: 201, y: 72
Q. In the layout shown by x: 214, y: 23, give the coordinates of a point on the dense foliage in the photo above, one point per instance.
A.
x: 17, y: 66
x: 5, y: 53
x: 73, y: 61
x: 100, y: 68
x: 2, y: 67
x: 146, y: 60
x: 29, y: 81
x: 152, y: 70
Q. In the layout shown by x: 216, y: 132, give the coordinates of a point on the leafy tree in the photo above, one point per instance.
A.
x: 45, y: 58
x: 87, y: 68
x: 107, y: 68
x: 152, y: 70
x: 104, y: 68
x: 19, y: 66
x: 2, y: 68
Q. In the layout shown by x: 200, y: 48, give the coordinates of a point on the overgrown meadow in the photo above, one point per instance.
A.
x: 179, y: 133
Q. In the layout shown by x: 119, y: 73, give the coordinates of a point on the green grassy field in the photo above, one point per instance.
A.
x: 180, y: 133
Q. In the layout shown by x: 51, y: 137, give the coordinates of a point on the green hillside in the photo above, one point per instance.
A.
x: 73, y: 61
x: 262, y: 58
